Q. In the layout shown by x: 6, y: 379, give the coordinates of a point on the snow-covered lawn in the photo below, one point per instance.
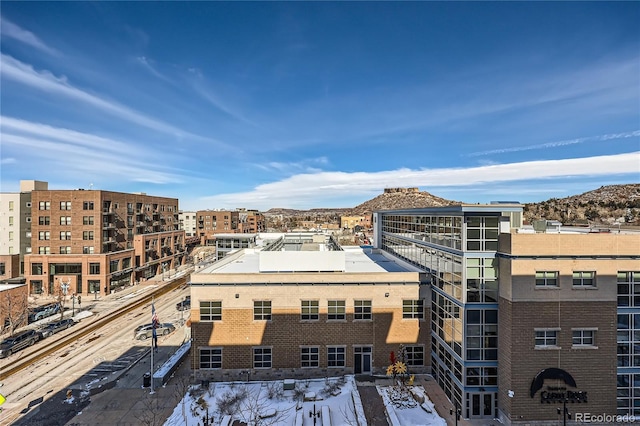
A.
x: 267, y: 403
x: 406, y: 409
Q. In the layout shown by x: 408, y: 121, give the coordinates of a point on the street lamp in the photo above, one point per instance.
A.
x: 457, y: 412
x: 314, y: 414
x: 565, y: 412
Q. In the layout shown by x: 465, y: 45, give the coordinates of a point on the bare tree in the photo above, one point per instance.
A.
x: 182, y: 384
x: 150, y: 414
x: 256, y: 409
x: 15, y: 309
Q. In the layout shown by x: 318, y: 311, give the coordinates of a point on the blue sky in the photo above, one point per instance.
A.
x: 303, y: 105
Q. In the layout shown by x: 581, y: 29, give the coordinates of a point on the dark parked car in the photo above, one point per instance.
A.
x: 20, y: 341
x: 54, y: 327
x: 184, y: 305
x: 144, y: 332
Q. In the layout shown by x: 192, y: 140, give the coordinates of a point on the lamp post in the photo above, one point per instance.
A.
x: 205, y: 419
x: 73, y: 304
x: 458, y: 411
x: 314, y: 414
x: 565, y: 412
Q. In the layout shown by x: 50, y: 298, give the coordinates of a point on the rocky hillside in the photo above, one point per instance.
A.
x: 605, y: 205
x: 401, y: 198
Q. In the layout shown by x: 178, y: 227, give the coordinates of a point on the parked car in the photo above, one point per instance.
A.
x: 20, y: 341
x: 184, y: 305
x: 144, y: 332
x: 45, y: 311
x: 54, y: 327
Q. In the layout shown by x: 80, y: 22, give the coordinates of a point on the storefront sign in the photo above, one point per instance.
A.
x: 555, y: 394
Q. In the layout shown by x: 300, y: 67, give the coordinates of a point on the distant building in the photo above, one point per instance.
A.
x: 350, y: 222
x: 15, y: 222
x: 212, y: 222
x: 98, y: 241
x: 188, y: 223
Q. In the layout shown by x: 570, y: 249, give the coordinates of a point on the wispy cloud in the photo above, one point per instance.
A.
x: 8, y: 160
x: 306, y: 189
x: 309, y: 165
x: 601, y: 138
x: 147, y: 64
x: 49, y: 83
x: 9, y: 29
x: 82, y: 154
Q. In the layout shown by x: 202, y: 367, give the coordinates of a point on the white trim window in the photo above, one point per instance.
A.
x: 584, y: 279
x: 336, y: 310
x: 210, y: 358
x: 546, y: 338
x: 546, y: 279
x: 210, y: 310
x: 310, y: 356
x: 262, y: 357
x: 583, y: 338
x: 336, y: 356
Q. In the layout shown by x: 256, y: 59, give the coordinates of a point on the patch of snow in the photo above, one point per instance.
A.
x: 409, y: 412
x: 164, y: 370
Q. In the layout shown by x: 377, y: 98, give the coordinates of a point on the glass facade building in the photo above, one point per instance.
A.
x: 457, y: 246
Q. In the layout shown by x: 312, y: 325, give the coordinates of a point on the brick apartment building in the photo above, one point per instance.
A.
x: 305, y: 307
x: 98, y: 241
x: 212, y: 222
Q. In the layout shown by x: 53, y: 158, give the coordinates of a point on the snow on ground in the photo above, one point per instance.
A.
x: 267, y: 403
x: 404, y: 409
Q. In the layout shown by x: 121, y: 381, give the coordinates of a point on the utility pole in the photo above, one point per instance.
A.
x: 565, y: 412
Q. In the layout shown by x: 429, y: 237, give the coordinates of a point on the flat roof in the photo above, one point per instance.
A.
x: 458, y: 209
x: 357, y: 260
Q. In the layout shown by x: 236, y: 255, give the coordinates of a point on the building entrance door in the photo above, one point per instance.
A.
x: 362, y: 360
x: 482, y: 405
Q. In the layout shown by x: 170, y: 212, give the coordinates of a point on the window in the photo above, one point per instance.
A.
x: 310, y: 356
x: 65, y: 220
x: 44, y: 220
x: 44, y: 235
x: 36, y: 269
x: 336, y: 356
x: 65, y: 235
x: 94, y: 268
x: 546, y: 338
x: 310, y: 310
x: 413, y: 309
x: 10, y: 235
x: 547, y: 279
x: 44, y: 250
x: 44, y: 205
x: 10, y: 206
x: 583, y: 337
x: 415, y: 355
x: 628, y: 288
x: 2, y: 269
x: 262, y: 310
x: 584, y: 279
x: 65, y: 249
x: 87, y: 250
x: 36, y: 286
x: 65, y: 205
x: 362, y: 309
x: 336, y: 310
x: 113, y: 266
x: 210, y: 358
x: 87, y: 205
x: 261, y: 357
x: 210, y: 310
x: 87, y: 235
x: 87, y: 220
x: 10, y: 220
